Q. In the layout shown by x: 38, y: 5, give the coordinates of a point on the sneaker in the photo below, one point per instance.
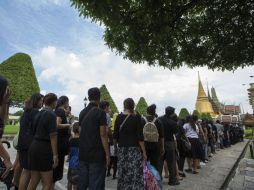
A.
x: 202, y: 164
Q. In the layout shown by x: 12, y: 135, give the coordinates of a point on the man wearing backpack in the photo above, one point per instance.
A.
x: 170, y: 129
x: 153, y: 136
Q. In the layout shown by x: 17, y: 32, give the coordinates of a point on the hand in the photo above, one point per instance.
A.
x: 162, y: 152
x: 55, y: 161
x: 107, y: 160
x: 8, y: 166
x: 144, y: 156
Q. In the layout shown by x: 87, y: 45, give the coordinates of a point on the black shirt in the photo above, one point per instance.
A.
x: 170, y: 128
x: 131, y: 132
x: 74, y: 142
x: 90, y: 120
x: 27, y: 129
x: 1, y: 127
x: 62, y: 133
x: 45, y: 122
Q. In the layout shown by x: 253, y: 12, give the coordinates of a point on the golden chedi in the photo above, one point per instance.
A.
x: 203, y: 104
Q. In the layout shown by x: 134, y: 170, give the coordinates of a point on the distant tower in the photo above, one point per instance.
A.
x: 202, y: 104
x: 216, y: 108
x: 216, y: 100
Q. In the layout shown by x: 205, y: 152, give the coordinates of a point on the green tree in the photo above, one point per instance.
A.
x: 183, y: 113
x: 141, y: 106
x: 19, y: 71
x: 217, y: 34
x: 18, y: 113
x: 105, y: 95
x: 206, y: 116
x: 195, y: 112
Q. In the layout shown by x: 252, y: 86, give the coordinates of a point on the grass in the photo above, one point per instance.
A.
x: 248, y: 133
x: 11, y: 129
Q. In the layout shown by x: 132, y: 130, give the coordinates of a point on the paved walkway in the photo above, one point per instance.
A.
x: 244, y: 177
x: 210, y: 177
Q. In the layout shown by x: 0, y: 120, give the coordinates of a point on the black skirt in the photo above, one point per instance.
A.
x: 196, y: 150
x: 40, y: 156
x: 23, y: 159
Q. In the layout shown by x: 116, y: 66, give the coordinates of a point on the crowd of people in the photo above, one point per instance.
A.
x: 49, y: 136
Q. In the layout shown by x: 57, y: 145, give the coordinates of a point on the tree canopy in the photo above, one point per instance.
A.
x: 206, y: 116
x: 183, y: 113
x: 141, y: 106
x: 218, y: 34
x: 19, y: 71
x: 105, y: 95
x: 196, y: 113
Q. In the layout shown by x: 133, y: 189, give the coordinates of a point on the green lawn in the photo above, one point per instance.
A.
x: 248, y: 133
x: 11, y: 129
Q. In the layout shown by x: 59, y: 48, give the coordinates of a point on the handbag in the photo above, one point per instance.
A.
x: 150, y: 181
x: 186, y: 143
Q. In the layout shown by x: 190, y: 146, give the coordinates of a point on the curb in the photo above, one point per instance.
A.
x: 233, y: 169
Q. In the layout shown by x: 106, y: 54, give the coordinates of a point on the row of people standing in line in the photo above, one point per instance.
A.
x: 46, y: 148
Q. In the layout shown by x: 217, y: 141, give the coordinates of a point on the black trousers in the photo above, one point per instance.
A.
x: 170, y: 157
x: 181, y: 162
x: 113, y: 164
x: 153, y: 153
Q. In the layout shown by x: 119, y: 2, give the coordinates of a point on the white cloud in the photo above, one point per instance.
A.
x: 36, y: 4
x: 78, y: 72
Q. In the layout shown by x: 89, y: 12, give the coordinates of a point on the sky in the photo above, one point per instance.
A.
x: 70, y: 56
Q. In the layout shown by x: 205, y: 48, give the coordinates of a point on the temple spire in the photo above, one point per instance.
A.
x: 203, y: 104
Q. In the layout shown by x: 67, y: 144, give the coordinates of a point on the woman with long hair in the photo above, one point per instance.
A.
x: 4, y: 106
x: 128, y: 133
x: 63, y: 133
x: 42, y: 153
x: 26, y: 135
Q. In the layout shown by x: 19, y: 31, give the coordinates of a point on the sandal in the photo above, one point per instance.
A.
x: 195, y: 172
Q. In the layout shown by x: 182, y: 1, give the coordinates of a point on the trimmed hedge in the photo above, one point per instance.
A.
x: 19, y: 71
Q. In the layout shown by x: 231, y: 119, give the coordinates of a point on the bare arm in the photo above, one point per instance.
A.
x: 142, y: 146
x: 59, y: 124
x: 53, y: 142
x: 104, y: 140
x: 162, y: 146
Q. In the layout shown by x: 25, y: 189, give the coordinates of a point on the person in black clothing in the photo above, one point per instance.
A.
x: 4, y: 106
x: 128, y: 133
x: 93, y: 145
x: 154, y: 150
x: 63, y: 132
x: 181, y: 147
x: 42, y: 154
x: 170, y: 129
x: 26, y: 135
x: 113, y: 155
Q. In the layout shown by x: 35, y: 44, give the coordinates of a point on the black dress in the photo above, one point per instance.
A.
x: 40, y: 153
x: 26, y: 135
x: 63, y: 145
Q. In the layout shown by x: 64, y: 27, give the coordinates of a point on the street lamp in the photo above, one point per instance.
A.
x: 85, y: 100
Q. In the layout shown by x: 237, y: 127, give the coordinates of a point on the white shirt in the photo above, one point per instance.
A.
x: 190, y: 132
